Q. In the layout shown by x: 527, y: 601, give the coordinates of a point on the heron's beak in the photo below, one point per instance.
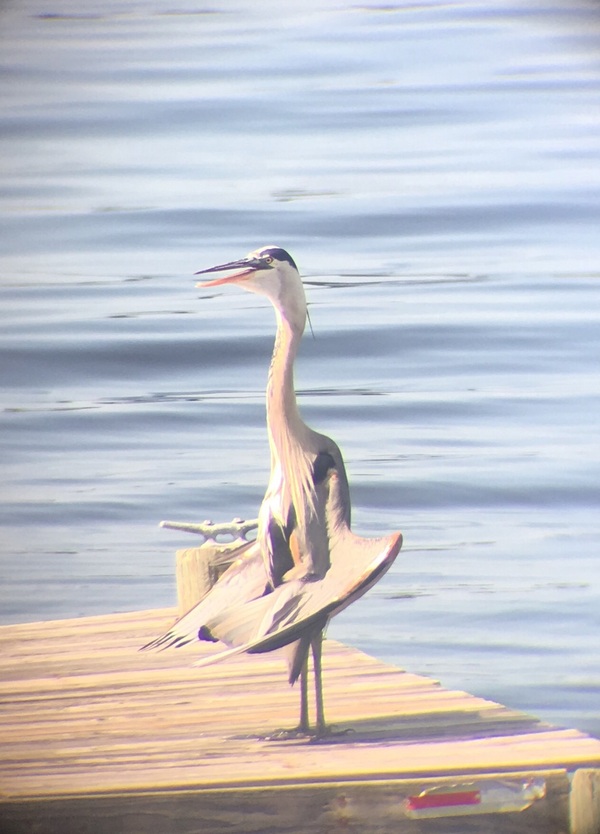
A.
x: 244, y: 267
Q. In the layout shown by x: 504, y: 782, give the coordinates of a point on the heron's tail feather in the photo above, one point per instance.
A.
x: 296, y: 653
x: 217, y: 658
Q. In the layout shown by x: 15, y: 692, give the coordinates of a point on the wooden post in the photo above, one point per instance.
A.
x: 584, y: 801
x: 197, y: 572
x: 198, y: 568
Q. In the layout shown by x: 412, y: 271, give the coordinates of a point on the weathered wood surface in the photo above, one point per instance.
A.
x: 85, y: 715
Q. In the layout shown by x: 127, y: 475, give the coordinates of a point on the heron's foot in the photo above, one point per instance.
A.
x: 329, y: 733
x: 312, y: 734
x: 290, y: 734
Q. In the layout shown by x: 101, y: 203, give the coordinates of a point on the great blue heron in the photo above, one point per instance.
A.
x: 306, y: 565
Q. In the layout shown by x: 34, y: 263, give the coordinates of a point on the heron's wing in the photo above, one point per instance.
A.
x: 244, y: 580
x: 297, y: 607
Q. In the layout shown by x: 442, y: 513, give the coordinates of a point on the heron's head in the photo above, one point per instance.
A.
x: 268, y: 271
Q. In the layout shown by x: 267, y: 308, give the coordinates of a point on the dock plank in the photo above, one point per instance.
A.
x: 84, y: 714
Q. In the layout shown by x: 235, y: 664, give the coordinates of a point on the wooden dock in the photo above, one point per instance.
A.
x: 98, y: 737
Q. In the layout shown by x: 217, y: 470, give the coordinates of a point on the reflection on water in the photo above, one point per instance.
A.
x: 434, y: 170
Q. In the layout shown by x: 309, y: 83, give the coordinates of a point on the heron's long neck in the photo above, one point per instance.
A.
x: 291, y: 464
x: 283, y: 417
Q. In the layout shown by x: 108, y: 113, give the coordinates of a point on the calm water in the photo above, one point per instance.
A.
x: 434, y: 169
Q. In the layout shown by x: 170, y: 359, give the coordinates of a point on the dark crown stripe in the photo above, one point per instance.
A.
x: 279, y: 255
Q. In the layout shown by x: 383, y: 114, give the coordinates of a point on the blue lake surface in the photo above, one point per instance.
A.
x: 434, y: 170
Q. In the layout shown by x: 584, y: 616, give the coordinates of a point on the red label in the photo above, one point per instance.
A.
x: 442, y: 800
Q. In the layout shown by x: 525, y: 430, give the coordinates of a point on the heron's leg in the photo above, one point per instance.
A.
x: 298, y: 664
x: 317, y: 647
x: 303, y: 726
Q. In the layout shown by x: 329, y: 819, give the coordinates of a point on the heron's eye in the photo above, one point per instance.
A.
x: 268, y: 259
